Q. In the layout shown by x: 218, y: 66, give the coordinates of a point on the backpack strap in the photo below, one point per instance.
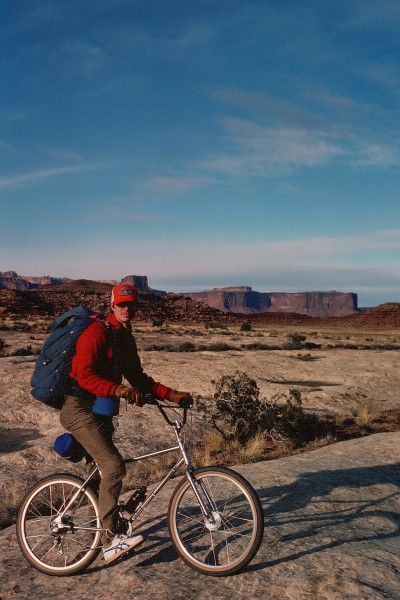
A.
x: 114, y: 340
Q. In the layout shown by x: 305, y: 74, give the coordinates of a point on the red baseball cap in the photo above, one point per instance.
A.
x: 124, y: 293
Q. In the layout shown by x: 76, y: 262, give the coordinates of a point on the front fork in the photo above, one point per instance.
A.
x: 208, y: 508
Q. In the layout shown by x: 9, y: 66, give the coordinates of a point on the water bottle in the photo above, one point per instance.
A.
x: 107, y: 407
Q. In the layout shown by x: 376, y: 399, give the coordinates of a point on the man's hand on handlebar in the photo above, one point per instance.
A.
x: 183, y: 399
x: 130, y: 394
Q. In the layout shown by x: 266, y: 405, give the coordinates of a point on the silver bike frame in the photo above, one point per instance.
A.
x: 177, y: 427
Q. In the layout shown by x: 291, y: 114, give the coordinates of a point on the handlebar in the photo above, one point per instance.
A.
x: 152, y: 400
x: 149, y: 399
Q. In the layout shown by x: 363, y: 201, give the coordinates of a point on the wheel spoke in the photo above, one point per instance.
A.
x: 231, y: 538
x: 48, y: 545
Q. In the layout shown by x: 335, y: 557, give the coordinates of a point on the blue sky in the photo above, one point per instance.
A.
x: 203, y: 143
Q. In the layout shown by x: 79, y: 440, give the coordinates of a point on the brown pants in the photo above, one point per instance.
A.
x: 95, y: 432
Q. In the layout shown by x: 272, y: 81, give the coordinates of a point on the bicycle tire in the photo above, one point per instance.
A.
x: 228, y: 545
x: 70, y: 550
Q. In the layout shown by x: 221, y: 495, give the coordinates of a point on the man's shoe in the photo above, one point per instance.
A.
x: 121, y: 544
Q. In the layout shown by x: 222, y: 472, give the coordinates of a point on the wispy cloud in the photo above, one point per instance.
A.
x: 176, y: 186
x: 370, y: 15
x: 25, y: 178
x: 12, y: 116
x: 265, y: 151
x: 123, y: 215
x: 259, y: 151
x: 87, y: 58
x: 61, y: 153
x: 371, y: 154
x: 272, y: 109
x: 5, y: 147
x: 282, y: 137
x: 198, y: 257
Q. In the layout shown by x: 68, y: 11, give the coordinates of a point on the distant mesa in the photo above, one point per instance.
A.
x: 244, y: 300
x: 236, y: 300
x: 142, y: 284
x: 12, y: 281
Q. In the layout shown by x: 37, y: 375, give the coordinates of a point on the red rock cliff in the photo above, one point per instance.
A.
x: 246, y: 301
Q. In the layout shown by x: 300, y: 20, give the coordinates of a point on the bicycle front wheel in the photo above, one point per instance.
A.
x: 228, y: 541
x: 55, y: 544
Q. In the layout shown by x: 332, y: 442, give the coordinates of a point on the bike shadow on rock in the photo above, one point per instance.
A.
x: 342, y: 504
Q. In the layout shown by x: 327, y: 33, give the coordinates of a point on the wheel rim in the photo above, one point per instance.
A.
x: 58, y: 548
x: 229, y: 539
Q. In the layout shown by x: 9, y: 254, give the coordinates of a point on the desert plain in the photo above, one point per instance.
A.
x: 332, y: 513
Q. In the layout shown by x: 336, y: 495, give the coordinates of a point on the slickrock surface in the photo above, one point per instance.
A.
x: 332, y: 532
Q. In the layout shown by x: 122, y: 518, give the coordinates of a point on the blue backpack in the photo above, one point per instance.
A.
x: 53, y: 365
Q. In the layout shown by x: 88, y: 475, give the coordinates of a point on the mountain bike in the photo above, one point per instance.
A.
x: 215, y: 518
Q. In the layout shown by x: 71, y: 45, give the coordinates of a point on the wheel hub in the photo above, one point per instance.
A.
x: 214, y: 523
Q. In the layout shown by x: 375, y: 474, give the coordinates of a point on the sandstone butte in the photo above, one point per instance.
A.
x: 237, y: 300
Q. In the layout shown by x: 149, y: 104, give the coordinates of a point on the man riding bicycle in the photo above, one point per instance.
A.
x: 106, y: 353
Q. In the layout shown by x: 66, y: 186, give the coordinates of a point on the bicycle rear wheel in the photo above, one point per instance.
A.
x: 55, y: 545
x: 228, y: 543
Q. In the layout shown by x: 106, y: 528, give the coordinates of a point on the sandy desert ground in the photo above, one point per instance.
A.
x: 334, y: 380
x: 332, y: 514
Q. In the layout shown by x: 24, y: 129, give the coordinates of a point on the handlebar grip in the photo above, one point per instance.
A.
x: 149, y: 399
x: 186, y: 402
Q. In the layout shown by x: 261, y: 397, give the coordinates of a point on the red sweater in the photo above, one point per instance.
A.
x: 93, y: 365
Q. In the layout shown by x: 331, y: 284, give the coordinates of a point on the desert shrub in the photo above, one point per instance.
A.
x: 246, y: 326
x: 183, y: 347
x: 307, y: 356
x: 212, y: 444
x: 157, y: 323
x: 215, y: 326
x: 219, y: 347
x: 294, y: 341
x: 234, y: 410
x: 186, y: 347
x: 2, y: 344
x: 260, y: 346
x: 311, y: 345
x: 366, y: 413
x: 237, y: 413
x: 285, y: 421
x: 27, y: 351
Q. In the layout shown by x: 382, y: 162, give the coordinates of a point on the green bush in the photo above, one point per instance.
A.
x: 246, y: 327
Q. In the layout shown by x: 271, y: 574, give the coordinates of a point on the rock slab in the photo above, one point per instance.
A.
x: 332, y: 532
